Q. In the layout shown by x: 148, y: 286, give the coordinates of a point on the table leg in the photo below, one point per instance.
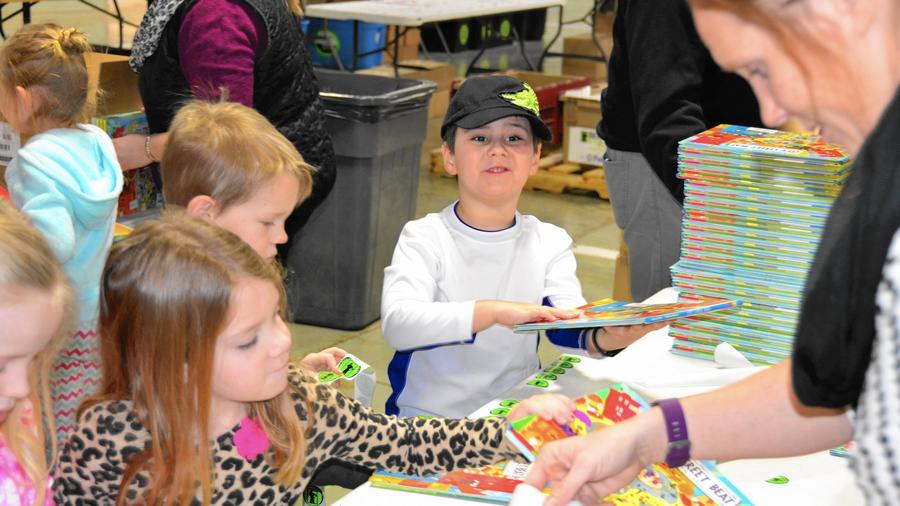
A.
x: 559, y: 10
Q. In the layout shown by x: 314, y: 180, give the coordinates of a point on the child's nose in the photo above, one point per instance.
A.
x: 281, y: 236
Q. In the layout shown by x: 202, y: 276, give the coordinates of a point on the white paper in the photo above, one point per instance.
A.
x: 727, y: 356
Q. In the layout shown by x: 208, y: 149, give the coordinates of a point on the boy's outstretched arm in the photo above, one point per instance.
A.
x: 488, y: 313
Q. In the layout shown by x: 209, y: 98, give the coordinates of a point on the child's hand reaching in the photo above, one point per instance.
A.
x: 547, y: 406
x: 325, y: 360
x: 502, y: 312
x: 616, y: 338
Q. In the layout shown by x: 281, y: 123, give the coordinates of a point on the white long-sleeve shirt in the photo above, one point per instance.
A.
x: 441, y: 266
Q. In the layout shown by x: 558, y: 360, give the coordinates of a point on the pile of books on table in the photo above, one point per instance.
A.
x: 756, y: 201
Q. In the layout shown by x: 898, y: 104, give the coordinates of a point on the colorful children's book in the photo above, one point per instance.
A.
x: 609, y: 312
x: 493, y: 484
x: 695, y: 483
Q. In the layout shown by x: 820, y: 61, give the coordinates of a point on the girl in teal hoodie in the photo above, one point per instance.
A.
x: 67, y: 181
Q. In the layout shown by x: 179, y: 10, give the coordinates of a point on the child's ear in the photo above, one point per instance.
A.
x: 26, y: 100
x: 449, y: 159
x: 203, y: 206
x: 536, y: 161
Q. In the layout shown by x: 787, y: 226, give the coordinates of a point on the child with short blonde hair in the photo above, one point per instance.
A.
x: 226, y: 163
x: 66, y: 180
x: 34, y: 305
x: 200, y: 403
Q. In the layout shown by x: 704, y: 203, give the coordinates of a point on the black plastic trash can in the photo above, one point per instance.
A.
x: 377, y: 125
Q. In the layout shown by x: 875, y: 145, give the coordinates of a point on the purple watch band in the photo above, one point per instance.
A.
x: 678, y: 451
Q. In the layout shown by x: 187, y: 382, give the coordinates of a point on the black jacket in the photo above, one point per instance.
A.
x: 285, y: 91
x: 664, y: 86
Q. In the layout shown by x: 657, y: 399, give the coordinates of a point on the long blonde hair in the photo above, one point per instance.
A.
x: 27, y: 261
x: 226, y: 150
x: 49, y: 60
x: 164, y: 301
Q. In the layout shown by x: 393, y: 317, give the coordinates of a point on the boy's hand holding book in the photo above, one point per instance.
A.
x: 508, y: 313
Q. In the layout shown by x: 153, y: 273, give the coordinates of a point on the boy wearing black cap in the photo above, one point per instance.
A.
x: 460, y: 278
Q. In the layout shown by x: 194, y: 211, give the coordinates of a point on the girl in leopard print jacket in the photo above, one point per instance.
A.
x: 199, y: 402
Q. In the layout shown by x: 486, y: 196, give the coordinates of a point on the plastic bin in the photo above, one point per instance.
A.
x: 370, y: 37
x: 377, y: 126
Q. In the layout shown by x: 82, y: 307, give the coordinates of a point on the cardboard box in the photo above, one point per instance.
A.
x: 440, y: 72
x: 581, y: 113
x: 583, y: 44
x: 603, y: 23
x: 408, y: 47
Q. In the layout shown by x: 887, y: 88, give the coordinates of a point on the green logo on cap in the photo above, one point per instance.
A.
x: 526, y: 99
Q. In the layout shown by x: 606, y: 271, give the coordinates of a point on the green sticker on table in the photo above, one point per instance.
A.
x: 570, y: 359
x: 565, y: 365
x: 349, y: 367
x: 313, y: 496
x: 328, y: 376
x: 778, y: 480
x: 500, y: 411
x: 538, y: 383
x: 509, y: 403
x: 546, y: 376
x: 555, y: 370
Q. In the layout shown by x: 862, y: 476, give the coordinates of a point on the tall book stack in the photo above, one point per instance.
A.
x: 755, y: 205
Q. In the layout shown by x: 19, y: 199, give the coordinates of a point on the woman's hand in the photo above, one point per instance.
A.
x: 554, y: 407
x: 130, y: 151
x: 325, y: 360
x: 593, y: 466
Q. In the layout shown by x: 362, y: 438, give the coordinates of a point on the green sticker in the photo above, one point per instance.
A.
x: 328, y: 376
x: 555, y: 370
x: 313, y: 496
x: 565, y: 365
x: 500, y: 411
x: 570, y: 359
x: 509, y: 403
x: 778, y: 480
x: 464, y: 34
x: 538, y: 383
x: 546, y: 376
x: 321, y: 40
x: 505, y: 28
x: 349, y: 367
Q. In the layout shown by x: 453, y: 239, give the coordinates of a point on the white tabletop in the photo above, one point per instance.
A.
x: 419, y: 12
x: 650, y: 368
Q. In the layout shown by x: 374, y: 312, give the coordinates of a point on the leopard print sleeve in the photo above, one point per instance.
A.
x: 344, y: 429
x: 89, y: 468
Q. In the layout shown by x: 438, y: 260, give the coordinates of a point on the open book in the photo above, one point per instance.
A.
x: 609, y: 312
x: 696, y: 483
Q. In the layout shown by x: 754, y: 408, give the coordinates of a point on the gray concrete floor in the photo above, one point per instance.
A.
x: 587, y: 219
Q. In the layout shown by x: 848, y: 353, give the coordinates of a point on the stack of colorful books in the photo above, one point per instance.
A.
x: 756, y: 201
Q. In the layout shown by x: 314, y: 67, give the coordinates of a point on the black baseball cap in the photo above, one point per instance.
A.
x: 483, y: 99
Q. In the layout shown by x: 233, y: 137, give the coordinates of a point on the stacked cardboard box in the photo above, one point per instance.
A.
x: 583, y: 44
x: 581, y: 113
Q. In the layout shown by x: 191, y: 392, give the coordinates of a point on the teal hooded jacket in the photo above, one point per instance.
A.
x: 67, y: 181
